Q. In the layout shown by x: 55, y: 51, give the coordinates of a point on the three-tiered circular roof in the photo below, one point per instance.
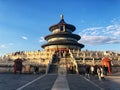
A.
x: 67, y: 38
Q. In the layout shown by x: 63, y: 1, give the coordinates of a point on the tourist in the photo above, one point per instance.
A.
x: 92, y: 70
x: 87, y: 73
x: 95, y: 69
x: 105, y: 70
x: 36, y: 69
x: 102, y: 73
x: 99, y: 73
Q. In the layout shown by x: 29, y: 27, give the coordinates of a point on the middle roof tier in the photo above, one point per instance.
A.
x: 63, y: 34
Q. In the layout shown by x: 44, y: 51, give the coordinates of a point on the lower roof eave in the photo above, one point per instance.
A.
x: 79, y: 45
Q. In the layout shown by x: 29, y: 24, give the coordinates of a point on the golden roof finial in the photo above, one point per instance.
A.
x: 61, y: 16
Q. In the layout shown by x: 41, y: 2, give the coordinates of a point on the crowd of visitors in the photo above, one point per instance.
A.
x: 100, y: 71
x: 62, y: 53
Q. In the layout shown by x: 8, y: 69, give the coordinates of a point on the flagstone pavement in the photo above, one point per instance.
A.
x: 57, y: 82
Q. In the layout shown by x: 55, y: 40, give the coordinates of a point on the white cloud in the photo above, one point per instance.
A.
x: 101, y: 35
x: 112, y: 29
x: 24, y: 37
x: 8, y: 45
x: 94, y: 28
x: 91, y: 31
x: 95, y: 40
x: 3, y: 46
x: 117, y: 33
x: 41, y: 39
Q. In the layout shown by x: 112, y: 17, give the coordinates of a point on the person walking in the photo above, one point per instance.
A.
x: 87, y: 74
x: 92, y: 69
x: 102, y: 73
x: 99, y: 73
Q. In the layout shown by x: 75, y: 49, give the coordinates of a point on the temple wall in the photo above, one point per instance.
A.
x: 45, y: 56
x: 10, y: 69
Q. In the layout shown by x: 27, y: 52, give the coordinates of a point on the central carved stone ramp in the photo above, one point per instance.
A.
x: 62, y: 67
x: 61, y: 82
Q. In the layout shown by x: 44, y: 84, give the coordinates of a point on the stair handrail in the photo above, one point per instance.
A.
x: 74, y: 61
x: 48, y: 66
x: 50, y: 61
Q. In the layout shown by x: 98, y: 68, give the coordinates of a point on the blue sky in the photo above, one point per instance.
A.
x: 24, y: 23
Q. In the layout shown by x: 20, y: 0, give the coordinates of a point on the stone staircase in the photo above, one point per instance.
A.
x: 58, y: 67
x: 53, y: 66
x: 61, y: 82
x: 62, y: 67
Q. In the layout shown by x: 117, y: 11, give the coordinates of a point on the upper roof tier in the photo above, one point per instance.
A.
x: 62, y: 23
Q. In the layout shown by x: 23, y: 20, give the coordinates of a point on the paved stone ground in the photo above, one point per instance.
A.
x: 15, y: 81
x: 76, y: 82
x: 61, y: 83
x: 111, y: 82
x: 12, y: 81
x: 44, y: 83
